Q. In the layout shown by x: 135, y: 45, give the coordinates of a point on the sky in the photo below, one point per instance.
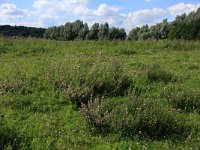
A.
x: 121, y: 13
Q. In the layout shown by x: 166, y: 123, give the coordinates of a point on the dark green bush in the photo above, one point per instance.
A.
x: 3, y: 49
x: 156, y: 73
x: 128, y: 52
x: 180, y: 98
x: 8, y: 137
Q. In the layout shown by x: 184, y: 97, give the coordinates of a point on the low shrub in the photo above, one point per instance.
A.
x: 96, y: 80
x: 9, y: 139
x: 180, y: 98
x: 11, y: 86
x: 98, y: 119
x: 128, y: 52
x: 149, y: 119
x: 146, y: 118
x: 156, y: 73
x: 3, y: 49
x: 79, y: 96
x: 180, y: 45
x: 97, y: 88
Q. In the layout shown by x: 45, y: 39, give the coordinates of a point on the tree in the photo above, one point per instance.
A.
x: 93, y: 33
x: 144, y: 32
x: 76, y: 29
x: 83, y: 32
x: 68, y: 34
x: 117, y: 34
x: 61, y: 36
x: 133, y: 34
x: 8, y: 30
x: 103, y: 31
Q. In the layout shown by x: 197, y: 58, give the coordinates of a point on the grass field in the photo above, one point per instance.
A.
x: 99, y: 95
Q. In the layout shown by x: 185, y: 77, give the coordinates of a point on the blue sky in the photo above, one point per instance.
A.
x: 121, y: 13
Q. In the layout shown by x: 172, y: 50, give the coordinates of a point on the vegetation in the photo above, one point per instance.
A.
x: 79, y: 31
x: 183, y: 27
x: 21, y: 31
x: 99, y: 94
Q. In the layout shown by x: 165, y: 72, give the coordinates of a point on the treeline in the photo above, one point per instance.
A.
x: 80, y: 31
x: 22, y: 31
x: 183, y: 27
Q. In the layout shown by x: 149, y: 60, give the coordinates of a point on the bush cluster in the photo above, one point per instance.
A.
x: 156, y: 73
x: 11, y: 86
x: 146, y: 118
x: 98, y: 119
x: 180, y: 98
x: 97, y: 80
x: 8, y: 137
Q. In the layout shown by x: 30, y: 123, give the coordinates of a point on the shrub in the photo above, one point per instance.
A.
x: 79, y: 96
x: 180, y: 45
x: 96, y: 80
x: 156, y: 73
x: 98, y: 119
x: 11, y: 86
x: 149, y: 119
x: 8, y: 137
x: 180, y: 98
x: 3, y: 49
x: 128, y: 52
x: 146, y: 118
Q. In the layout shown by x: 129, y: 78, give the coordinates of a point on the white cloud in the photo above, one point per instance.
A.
x: 10, y: 13
x: 181, y: 8
x: 102, y: 14
x: 105, y: 10
x: 146, y: 16
x: 82, y: 11
x: 56, y: 12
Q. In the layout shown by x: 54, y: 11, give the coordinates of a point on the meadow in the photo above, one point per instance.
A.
x: 99, y: 94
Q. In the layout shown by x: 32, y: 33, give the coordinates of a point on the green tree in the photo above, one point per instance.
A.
x: 133, y: 34
x: 103, y: 31
x: 93, y: 33
x: 77, y: 26
x: 117, y: 34
x: 83, y: 32
x: 68, y: 34
x: 144, y: 32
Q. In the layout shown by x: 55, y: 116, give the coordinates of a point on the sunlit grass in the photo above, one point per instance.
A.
x: 148, y: 94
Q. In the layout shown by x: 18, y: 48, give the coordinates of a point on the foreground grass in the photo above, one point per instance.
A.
x: 99, y: 95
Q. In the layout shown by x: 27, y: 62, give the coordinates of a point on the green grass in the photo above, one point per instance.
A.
x: 99, y: 94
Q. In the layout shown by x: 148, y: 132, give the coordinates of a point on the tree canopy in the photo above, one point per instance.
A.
x: 79, y: 31
x: 21, y: 31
